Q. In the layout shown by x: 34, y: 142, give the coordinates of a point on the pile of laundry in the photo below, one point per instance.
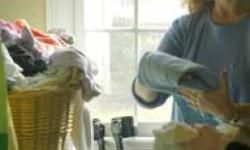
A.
x: 34, y: 59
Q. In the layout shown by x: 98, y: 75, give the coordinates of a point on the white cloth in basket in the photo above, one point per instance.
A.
x: 71, y: 57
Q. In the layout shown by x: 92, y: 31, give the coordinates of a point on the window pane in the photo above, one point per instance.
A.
x: 120, y: 55
x: 103, y: 14
x: 158, y: 13
x: 148, y: 41
x: 97, y: 46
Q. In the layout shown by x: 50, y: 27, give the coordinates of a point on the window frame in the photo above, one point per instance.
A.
x: 76, y: 19
x: 141, y: 127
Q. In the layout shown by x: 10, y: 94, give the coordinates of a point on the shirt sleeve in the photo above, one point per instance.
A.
x: 172, y: 43
x: 173, y: 40
x: 158, y: 101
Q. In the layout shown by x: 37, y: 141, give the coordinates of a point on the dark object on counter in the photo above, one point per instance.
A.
x: 122, y: 127
x: 25, y: 59
x: 99, y: 133
x: 237, y: 146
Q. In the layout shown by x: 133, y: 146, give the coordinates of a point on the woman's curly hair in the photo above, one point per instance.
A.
x: 195, y: 6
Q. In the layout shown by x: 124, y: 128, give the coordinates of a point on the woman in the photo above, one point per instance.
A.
x: 215, y: 34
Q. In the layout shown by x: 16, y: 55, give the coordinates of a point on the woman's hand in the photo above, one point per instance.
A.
x: 209, y: 138
x: 216, y: 102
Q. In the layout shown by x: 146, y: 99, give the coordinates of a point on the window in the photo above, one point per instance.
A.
x: 117, y: 33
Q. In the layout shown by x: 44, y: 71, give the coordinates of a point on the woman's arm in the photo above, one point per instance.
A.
x: 146, y: 97
x: 146, y: 94
x: 147, y: 91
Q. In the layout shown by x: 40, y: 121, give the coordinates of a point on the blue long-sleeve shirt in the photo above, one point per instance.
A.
x: 196, y: 37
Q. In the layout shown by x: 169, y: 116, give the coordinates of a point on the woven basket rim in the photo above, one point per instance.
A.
x: 43, y: 90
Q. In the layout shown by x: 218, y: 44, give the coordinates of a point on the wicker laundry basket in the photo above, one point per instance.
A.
x: 43, y: 118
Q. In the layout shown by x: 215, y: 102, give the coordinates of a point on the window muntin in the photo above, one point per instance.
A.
x: 117, y: 33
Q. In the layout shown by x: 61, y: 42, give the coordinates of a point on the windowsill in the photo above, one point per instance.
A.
x: 133, y: 143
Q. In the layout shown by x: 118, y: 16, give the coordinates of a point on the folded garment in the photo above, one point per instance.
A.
x: 24, y: 39
x: 17, y: 26
x: 63, y: 34
x: 20, y: 33
x: 9, y: 26
x: 41, y: 36
x: 166, y: 73
x: 71, y: 57
x: 22, y: 48
x: 12, y: 70
x: 11, y: 67
x: 67, y: 66
x: 30, y: 64
x: 53, y: 78
x: 81, y: 134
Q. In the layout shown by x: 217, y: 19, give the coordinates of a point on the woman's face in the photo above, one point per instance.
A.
x: 240, y: 5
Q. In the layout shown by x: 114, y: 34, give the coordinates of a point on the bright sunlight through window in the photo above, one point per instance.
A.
x: 117, y: 33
